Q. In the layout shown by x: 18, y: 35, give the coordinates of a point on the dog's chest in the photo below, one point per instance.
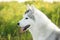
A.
x: 54, y: 36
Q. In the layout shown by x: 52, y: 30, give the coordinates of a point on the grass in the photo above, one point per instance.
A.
x: 12, y: 12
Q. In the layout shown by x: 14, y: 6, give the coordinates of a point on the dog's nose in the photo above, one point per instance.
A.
x: 18, y: 23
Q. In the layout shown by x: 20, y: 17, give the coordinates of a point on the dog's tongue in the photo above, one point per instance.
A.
x: 22, y: 30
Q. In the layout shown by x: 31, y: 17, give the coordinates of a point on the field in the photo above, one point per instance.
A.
x: 12, y: 12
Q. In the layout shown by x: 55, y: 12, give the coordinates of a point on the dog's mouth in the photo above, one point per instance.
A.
x: 24, y: 28
x: 27, y: 26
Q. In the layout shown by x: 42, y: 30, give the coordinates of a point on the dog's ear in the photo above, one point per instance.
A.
x: 28, y: 6
x: 33, y: 8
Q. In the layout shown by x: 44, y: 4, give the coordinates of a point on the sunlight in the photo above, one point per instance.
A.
x: 51, y: 1
x: 21, y: 0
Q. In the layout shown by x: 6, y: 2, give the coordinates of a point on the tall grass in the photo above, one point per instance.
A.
x: 11, y: 13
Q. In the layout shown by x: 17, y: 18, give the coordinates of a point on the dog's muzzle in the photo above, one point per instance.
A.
x: 23, y: 28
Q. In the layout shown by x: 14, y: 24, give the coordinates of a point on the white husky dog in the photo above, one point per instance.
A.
x: 39, y: 25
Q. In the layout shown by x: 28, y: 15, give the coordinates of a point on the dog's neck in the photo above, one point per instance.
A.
x: 42, y: 33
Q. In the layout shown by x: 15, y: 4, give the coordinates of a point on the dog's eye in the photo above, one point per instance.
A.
x: 26, y: 18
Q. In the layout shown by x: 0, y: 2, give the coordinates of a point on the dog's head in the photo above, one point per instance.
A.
x: 28, y: 18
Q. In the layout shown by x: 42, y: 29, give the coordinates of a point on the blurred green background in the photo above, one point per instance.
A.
x: 12, y: 12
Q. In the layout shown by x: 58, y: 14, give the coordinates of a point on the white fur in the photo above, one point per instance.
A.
x: 42, y: 27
